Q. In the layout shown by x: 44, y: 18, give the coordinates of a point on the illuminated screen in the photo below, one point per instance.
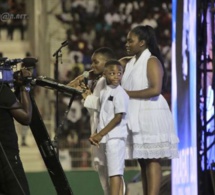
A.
x: 209, y: 84
x: 184, y: 168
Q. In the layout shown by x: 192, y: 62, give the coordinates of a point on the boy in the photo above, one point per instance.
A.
x: 96, y: 82
x: 112, y: 131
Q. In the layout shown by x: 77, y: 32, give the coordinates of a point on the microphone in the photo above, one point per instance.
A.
x: 52, y: 84
x: 12, y: 61
x: 86, y: 75
x: 81, y: 78
x: 65, y: 43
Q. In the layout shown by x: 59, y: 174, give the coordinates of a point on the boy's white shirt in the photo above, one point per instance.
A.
x: 114, y: 100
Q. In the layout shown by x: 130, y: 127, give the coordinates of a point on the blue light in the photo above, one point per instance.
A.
x: 184, y: 169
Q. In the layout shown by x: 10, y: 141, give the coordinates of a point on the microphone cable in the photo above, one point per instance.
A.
x: 59, y: 128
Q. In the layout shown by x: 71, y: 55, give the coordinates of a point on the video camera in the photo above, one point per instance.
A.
x: 7, y: 66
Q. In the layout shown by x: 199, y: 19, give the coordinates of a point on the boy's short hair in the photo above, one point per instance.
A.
x: 112, y: 62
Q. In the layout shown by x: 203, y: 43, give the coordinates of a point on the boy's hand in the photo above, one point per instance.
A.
x: 95, y: 139
x: 93, y: 142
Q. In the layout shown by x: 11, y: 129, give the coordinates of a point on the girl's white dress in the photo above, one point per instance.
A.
x: 151, y: 127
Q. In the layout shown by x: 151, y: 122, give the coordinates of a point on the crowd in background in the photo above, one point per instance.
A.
x: 91, y: 24
x: 13, y: 17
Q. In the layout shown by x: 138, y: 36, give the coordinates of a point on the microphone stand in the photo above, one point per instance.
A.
x: 57, y: 54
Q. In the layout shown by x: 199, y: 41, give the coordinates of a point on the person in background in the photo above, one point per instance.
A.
x: 112, y: 128
x: 12, y: 176
x: 152, y: 136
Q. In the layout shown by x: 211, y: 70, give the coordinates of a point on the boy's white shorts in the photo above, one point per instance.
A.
x: 112, y: 155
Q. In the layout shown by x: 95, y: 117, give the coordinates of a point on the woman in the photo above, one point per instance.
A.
x: 152, y: 134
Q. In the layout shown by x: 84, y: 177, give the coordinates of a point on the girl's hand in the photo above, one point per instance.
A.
x: 86, y: 93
